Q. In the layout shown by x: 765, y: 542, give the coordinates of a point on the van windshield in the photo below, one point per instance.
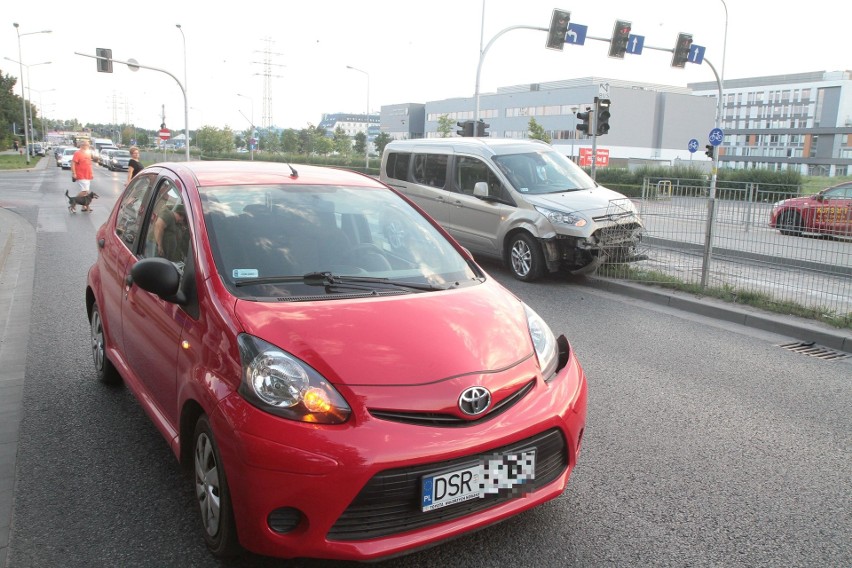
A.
x: 543, y: 172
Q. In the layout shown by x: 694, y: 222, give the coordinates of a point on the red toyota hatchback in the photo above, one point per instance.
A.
x: 340, y: 377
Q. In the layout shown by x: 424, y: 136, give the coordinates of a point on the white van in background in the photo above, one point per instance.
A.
x: 99, y: 144
x: 520, y: 201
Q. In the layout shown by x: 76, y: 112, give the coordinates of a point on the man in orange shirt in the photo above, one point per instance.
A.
x: 81, y: 169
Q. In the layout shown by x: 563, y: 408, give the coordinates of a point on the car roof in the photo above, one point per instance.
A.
x: 218, y: 173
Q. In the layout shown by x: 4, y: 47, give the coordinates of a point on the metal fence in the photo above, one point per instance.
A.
x: 747, y: 256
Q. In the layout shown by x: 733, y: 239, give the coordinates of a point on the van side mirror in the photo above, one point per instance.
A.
x: 480, y: 189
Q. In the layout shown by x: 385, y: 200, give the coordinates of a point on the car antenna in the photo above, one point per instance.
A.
x: 294, y: 173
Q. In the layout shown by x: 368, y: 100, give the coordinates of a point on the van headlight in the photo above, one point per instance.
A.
x: 571, y: 218
x: 544, y: 342
x: 279, y: 383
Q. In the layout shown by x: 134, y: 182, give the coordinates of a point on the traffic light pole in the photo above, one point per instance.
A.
x: 134, y: 66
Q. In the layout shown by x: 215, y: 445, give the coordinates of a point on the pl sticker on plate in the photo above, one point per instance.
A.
x: 244, y: 273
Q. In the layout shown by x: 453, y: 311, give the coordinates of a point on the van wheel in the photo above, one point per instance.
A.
x: 790, y: 224
x: 525, y: 257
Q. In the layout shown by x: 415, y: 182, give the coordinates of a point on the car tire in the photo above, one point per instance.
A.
x: 106, y: 372
x: 526, y: 260
x: 212, y: 494
x: 790, y: 224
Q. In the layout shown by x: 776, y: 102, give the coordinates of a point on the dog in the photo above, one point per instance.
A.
x: 75, y: 200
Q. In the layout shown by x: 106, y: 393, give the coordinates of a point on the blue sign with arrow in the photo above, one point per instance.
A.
x: 696, y: 54
x: 635, y: 43
x: 576, y: 34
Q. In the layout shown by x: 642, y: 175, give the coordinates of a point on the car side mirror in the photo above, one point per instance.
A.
x: 480, y: 189
x: 158, y: 276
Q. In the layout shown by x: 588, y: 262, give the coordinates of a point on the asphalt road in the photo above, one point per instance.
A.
x: 707, y: 444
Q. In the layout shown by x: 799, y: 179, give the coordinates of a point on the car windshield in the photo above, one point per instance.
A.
x: 290, y: 242
x: 545, y: 171
x: 120, y: 154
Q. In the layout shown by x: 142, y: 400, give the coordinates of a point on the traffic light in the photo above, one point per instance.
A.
x: 681, y: 50
x: 482, y: 128
x: 465, y: 128
x: 558, y: 29
x: 104, y: 65
x: 709, y: 151
x: 620, y: 36
x: 602, y: 118
x: 586, y: 118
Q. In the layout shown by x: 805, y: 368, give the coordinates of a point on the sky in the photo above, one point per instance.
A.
x: 404, y: 52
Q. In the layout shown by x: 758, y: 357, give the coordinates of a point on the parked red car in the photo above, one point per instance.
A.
x: 828, y: 212
x: 342, y: 378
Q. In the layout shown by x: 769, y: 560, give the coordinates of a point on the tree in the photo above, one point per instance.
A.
x: 341, y: 142
x: 360, y: 143
x: 290, y: 141
x: 211, y: 139
x: 323, y: 145
x: 537, y: 131
x: 445, y: 126
x: 270, y: 142
x: 382, y: 140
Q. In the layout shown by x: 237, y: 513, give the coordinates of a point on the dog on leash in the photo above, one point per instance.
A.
x: 85, y: 201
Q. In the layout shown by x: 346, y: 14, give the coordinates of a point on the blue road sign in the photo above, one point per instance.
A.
x: 576, y: 34
x: 693, y: 145
x: 696, y: 54
x: 716, y: 136
x: 635, y: 44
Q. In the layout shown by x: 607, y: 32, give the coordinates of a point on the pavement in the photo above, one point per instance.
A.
x: 17, y: 267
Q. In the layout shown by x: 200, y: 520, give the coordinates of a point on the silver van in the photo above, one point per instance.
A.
x: 517, y: 200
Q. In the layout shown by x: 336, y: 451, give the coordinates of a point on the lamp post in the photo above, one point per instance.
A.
x: 367, y: 133
x: 23, y: 101
x: 185, y: 91
x: 26, y: 103
x: 251, y: 122
x: 573, y: 132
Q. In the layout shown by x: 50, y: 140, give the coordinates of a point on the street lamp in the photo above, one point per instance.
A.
x: 23, y: 101
x: 185, y: 91
x: 367, y: 141
x: 251, y: 122
x: 26, y: 100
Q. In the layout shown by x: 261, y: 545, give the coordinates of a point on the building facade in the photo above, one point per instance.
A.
x: 800, y: 121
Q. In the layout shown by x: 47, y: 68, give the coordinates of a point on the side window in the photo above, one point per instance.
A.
x: 469, y: 171
x: 430, y: 169
x: 397, y: 166
x: 167, y: 233
x: 132, y: 211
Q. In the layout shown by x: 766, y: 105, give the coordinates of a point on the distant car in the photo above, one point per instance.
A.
x: 828, y: 212
x: 57, y: 154
x: 337, y: 374
x: 104, y: 154
x: 118, y: 160
x: 67, y: 156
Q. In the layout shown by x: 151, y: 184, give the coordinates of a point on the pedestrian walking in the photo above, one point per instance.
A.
x: 134, y: 166
x: 81, y: 169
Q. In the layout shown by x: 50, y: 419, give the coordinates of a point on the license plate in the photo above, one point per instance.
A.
x: 474, y: 481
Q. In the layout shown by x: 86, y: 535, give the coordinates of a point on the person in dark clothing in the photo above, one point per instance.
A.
x: 171, y: 233
x: 134, y: 166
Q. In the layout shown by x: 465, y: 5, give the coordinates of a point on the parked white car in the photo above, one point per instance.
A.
x: 66, y: 157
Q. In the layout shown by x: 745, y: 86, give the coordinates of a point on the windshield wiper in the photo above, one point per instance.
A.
x: 330, y: 280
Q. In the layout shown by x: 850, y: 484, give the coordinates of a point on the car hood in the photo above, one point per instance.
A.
x: 398, y: 340
x: 593, y: 201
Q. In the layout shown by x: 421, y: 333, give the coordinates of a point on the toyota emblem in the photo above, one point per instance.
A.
x: 474, y: 401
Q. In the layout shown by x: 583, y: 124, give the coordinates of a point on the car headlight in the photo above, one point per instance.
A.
x: 281, y: 384
x: 562, y: 217
x: 544, y: 342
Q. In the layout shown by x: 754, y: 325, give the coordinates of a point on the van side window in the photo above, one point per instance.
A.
x: 430, y: 169
x: 470, y: 170
x: 397, y: 166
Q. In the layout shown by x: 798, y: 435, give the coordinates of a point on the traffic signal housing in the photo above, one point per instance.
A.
x: 558, y: 28
x: 602, y: 118
x: 709, y: 152
x: 104, y: 60
x: 586, y: 118
x: 620, y: 37
x: 681, y: 50
x: 482, y: 128
x: 465, y: 128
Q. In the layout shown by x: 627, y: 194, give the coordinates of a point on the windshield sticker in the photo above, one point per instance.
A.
x: 245, y: 273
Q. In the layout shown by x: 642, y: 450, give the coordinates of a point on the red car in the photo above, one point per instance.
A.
x: 342, y: 378
x: 828, y: 212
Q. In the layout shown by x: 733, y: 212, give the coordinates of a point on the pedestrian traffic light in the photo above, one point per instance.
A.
x: 482, y: 128
x: 465, y: 128
x: 620, y: 37
x: 104, y: 60
x: 558, y: 28
x: 602, y: 118
x: 681, y: 50
x: 586, y: 117
x: 710, y: 151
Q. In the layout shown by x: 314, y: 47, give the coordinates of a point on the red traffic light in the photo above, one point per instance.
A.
x: 620, y: 38
x: 681, y: 50
x: 558, y: 28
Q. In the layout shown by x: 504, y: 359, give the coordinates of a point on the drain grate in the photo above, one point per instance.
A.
x: 813, y: 350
